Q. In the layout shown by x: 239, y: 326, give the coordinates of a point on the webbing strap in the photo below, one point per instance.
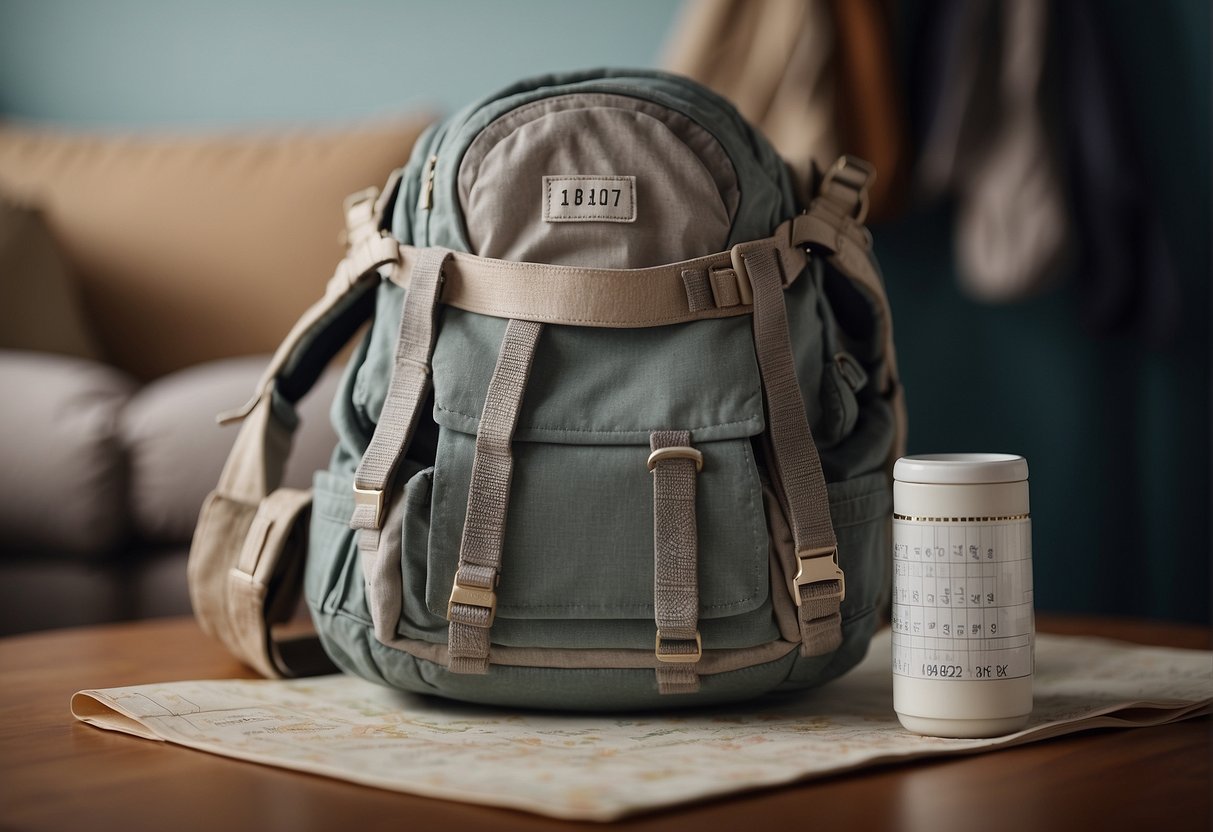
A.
x: 407, y: 390
x: 674, y: 464
x: 796, y: 466
x: 691, y: 290
x: 473, y: 603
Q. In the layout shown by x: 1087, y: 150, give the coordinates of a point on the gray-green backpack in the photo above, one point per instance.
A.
x: 619, y: 433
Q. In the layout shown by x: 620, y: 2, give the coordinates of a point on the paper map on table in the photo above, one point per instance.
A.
x: 602, y: 767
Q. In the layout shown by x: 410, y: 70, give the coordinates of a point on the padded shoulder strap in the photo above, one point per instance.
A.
x: 246, y: 559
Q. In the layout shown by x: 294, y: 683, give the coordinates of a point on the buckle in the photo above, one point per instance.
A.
x: 358, y: 198
x: 358, y: 209
x: 790, y: 257
x: 473, y: 597
x: 852, y: 173
x: 372, y: 497
x: 678, y: 658
x: 815, y: 566
x: 745, y: 289
x: 676, y: 452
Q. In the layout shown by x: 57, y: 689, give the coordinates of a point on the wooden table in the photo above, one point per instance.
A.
x: 57, y: 773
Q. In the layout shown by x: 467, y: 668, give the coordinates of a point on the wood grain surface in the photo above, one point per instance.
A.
x: 59, y: 774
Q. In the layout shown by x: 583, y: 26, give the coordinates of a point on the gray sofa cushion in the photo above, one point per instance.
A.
x: 62, y: 487
x: 176, y: 450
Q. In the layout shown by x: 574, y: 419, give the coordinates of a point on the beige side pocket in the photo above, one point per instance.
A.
x: 245, y: 572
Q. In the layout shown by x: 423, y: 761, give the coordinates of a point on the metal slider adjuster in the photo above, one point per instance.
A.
x: 372, y: 497
x: 815, y: 566
x: 676, y: 452
x: 472, y: 596
x: 678, y: 658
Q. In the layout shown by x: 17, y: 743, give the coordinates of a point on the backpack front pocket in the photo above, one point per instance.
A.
x: 578, y: 556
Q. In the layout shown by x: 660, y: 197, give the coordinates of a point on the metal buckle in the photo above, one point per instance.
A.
x: 676, y: 452
x: 815, y: 566
x: 678, y: 658
x: 372, y: 497
x: 473, y: 597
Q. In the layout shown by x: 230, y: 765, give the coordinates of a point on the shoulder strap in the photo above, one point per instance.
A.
x: 245, y: 564
x: 834, y: 227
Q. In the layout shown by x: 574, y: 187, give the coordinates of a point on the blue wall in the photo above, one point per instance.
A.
x: 1117, y: 433
x: 234, y: 62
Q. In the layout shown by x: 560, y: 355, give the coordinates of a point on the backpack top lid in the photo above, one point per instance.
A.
x: 522, y: 175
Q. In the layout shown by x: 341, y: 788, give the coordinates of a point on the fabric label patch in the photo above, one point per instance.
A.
x: 589, y: 199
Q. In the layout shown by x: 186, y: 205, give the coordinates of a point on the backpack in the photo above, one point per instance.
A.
x: 619, y: 434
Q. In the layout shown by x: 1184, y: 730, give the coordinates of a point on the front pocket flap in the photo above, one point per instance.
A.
x: 606, y: 386
x: 579, y: 534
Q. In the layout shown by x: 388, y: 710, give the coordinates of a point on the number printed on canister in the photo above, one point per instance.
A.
x: 962, y: 610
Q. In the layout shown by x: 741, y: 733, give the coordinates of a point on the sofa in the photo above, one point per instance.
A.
x: 143, y: 283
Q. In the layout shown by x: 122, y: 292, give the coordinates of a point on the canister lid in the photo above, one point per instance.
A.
x: 950, y: 469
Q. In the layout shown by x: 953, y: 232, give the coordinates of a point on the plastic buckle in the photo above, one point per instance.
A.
x: 472, y: 596
x: 790, y: 257
x: 358, y: 209
x: 852, y: 173
x: 678, y: 658
x: 815, y: 566
x: 373, y: 498
x: 745, y: 289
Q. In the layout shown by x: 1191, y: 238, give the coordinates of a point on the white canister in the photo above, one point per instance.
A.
x: 963, y: 629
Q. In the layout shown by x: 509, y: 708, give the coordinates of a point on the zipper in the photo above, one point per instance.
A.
x: 426, y: 200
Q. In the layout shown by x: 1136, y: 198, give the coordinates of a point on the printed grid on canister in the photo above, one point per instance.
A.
x: 962, y: 599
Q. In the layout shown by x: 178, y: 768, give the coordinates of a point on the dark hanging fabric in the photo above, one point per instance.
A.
x: 1127, y: 277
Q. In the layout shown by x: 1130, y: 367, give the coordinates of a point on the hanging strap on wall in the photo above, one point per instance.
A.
x: 679, y: 647
x: 473, y: 603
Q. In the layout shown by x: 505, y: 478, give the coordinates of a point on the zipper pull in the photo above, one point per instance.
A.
x: 426, y: 201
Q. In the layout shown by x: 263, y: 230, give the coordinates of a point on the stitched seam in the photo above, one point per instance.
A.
x: 553, y: 428
x: 720, y: 258
x: 762, y: 562
x: 711, y: 313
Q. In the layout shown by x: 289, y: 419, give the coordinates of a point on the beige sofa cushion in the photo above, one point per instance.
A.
x: 176, y: 450
x: 62, y: 466
x: 40, y: 306
x: 191, y: 249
